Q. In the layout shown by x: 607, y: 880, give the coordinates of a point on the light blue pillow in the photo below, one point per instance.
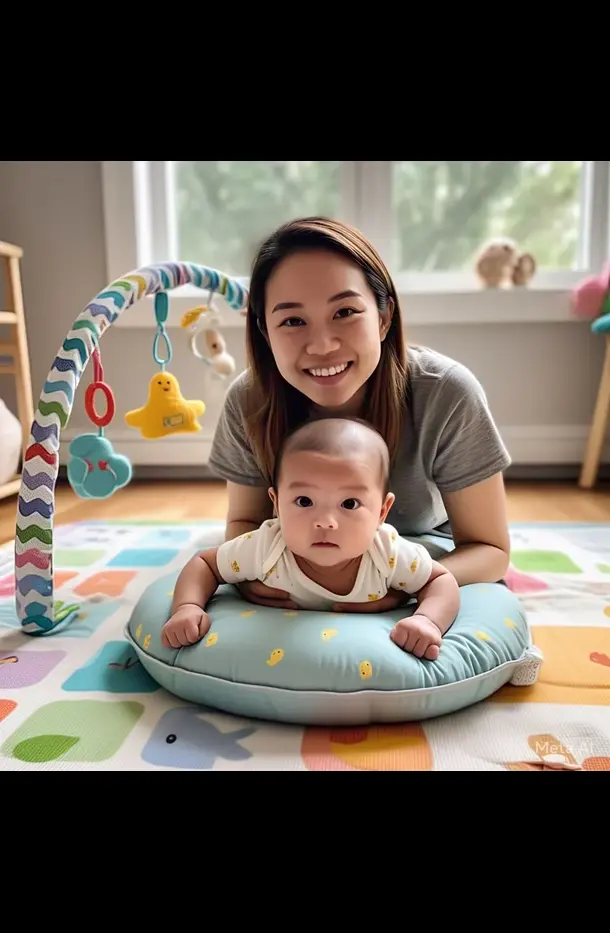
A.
x: 328, y: 668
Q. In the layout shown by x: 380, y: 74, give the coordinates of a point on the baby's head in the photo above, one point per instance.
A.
x: 330, y: 489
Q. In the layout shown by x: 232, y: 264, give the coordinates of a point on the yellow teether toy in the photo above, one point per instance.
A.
x: 166, y: 410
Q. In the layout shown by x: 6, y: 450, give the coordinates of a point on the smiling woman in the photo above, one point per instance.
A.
x: 334, y: 355
x: 329, y: 303
x: 331, y: 372
x: 321, y: 299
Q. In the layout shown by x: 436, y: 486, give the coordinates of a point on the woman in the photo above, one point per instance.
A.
x: 324, y: 333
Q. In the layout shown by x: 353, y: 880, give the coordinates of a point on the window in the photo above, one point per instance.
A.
x: 428, y: 219
x: 224, y: 209
x: 431, y: 218
x: 443, y: 211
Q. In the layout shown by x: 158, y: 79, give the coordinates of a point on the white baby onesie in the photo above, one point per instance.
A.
x: 391, y: 562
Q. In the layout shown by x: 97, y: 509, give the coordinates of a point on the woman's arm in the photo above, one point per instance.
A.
x: 479, y: 526
x: 249, y: 507
x: 470, y: 457
x: 232, y: 460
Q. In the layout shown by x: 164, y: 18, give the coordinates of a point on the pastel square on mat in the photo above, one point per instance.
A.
x: 544, y: 562
x: 166, y: 536
x: 76, y: 557
x: 143, y: 557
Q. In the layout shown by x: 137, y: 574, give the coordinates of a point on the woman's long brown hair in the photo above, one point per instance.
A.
x: 274, y: 406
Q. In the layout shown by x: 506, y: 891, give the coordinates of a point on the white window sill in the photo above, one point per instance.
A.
x: 493, y: 306
x: 420, y: 307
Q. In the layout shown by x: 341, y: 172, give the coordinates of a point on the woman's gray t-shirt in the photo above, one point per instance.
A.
x: 450, y: 441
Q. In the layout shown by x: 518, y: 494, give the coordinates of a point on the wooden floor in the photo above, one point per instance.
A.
x: 536, y: 502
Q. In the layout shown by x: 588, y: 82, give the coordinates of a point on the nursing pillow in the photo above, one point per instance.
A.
x: 328, y: 668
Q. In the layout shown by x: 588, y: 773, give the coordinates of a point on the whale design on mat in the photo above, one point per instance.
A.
x: 183, y: 738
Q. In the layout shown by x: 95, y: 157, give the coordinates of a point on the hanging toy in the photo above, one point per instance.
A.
x: 220, y: 361
x: 166, y: 412
x: 95, y: 471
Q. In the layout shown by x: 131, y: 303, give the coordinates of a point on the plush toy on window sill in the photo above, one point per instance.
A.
x: 500, y: 264
x: 523, y: 270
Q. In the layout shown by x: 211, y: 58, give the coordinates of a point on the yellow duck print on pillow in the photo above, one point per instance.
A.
x: 166, y: 410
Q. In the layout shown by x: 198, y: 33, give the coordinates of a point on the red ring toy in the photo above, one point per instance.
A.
x: 100, y: 421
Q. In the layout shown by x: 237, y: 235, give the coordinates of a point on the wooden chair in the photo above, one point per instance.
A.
x: 14, y: 353
x: 599, y: 425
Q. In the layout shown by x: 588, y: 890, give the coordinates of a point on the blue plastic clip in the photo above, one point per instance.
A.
x: 161, y: 307
x: 161, y: 313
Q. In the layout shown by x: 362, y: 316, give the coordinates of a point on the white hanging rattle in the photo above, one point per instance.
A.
x: 216, y: 355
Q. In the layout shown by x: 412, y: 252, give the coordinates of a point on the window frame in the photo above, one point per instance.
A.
x: 140, y: 228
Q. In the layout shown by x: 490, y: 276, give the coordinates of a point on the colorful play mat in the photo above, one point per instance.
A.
x: 80, y: 699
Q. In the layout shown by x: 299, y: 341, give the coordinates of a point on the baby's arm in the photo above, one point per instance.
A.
x: 195, y: 586
x: 198, y: 581
x: 234, y: 561
x: 438, y: 599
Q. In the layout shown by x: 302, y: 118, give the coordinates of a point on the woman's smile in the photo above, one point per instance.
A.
x: 329, y: 375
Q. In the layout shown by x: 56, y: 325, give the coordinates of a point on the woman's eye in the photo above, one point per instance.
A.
x: 350, y: 504
x: 292, y: 322
x: 303, y: 502
x: 347, y: 312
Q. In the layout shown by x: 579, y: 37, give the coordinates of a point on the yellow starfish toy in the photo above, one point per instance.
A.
x: 166, y: 411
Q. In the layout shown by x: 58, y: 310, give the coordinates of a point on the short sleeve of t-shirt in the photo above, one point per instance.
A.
x: 408, y: 565
x: 469, y: 447
x: 231, y: 456
x: 248, y: 556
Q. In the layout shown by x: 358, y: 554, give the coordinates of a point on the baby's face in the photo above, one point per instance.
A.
x: 330, y: 508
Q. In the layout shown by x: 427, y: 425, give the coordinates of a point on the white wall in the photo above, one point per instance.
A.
x: 541, y: 378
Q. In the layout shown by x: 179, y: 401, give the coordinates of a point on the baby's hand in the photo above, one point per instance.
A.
x: 187, y: 625
x: 419, y: 636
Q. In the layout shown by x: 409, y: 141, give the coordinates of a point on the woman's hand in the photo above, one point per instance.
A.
x: 261, y: 594
x: 392, y: 600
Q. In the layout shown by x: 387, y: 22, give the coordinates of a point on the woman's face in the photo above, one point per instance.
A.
x: 324, y: 327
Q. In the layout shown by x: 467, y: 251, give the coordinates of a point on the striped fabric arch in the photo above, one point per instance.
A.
x: 36, y: 608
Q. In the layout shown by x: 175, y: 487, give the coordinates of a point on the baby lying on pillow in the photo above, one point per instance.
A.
x: 329, y: 543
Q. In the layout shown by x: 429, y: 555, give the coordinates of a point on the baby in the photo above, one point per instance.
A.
x: 329, y: 543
